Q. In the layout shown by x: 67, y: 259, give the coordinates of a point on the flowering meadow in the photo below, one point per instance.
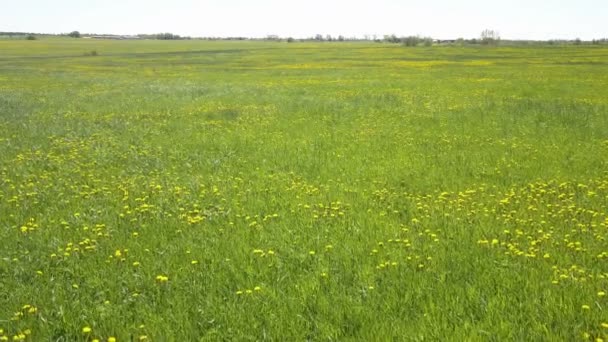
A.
x: 204, y: 191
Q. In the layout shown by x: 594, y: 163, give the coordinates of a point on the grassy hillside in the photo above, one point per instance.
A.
x: 189, y: 190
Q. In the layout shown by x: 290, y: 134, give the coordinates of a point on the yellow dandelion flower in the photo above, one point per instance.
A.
x: 586, y: 307
x: 162, y: 278
x: 86, y: 330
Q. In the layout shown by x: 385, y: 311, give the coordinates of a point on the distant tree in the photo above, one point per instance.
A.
x: 290, y: 40
x: 167, y: 36
x: 341, y: 38
x: 319, y: 37
x: 411, y: 40
x: 578, y: 41
x: 489, y: 37
x: 74, y: 34
x: 30, y: 37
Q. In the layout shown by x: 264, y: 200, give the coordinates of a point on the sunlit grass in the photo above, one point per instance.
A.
x: 247, y: 190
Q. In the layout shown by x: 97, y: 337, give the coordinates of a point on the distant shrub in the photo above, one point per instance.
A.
x: 74, y: 34
x: 290, y: 40
x: 411, y: 40
x: 31, y: 37
x: 392, y: 39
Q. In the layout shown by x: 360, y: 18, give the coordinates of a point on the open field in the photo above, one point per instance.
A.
x: 189, y: 190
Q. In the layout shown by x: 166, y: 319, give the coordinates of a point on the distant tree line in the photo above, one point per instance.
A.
x: 162, y: 36
x: 487, y: 37
x: 409, y: 40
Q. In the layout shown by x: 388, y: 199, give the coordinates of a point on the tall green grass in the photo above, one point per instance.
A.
x: 263, y: 191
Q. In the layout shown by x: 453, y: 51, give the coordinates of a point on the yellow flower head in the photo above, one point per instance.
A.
x: 162, y: 278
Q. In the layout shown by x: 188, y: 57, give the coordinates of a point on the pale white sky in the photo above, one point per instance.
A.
x: 514, y: 19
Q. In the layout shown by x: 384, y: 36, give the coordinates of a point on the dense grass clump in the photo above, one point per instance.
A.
x: 188, y: 190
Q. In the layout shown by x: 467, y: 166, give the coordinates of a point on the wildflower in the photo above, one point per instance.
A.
x: 86, y: 330
x: 111, y: 339
x: 162, y: 278
x: 601, y: 294
x: 585, y: 307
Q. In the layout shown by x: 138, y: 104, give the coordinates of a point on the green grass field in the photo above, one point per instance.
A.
x: 190, y: 190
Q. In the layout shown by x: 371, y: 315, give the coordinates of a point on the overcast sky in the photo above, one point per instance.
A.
x: 514, y: 19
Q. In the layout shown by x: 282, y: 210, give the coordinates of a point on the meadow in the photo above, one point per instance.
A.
x: 204, y: 191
